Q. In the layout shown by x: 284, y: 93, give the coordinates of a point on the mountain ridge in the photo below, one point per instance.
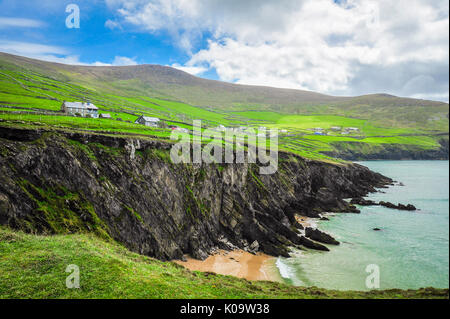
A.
x: 160, y: 76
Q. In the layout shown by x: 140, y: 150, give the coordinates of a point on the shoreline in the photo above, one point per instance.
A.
x: 305, y: 221
x: 237, y: 263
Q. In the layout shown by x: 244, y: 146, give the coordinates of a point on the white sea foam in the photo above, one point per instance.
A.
x: 284, y: 269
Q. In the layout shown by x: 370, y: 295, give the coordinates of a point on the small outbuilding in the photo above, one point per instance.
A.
x: 182, y: 130
x: 148, y: 121
x: 105, y: 116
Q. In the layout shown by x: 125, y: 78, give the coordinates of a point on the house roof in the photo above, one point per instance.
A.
x: 80, y: 105
x: 150, y: 119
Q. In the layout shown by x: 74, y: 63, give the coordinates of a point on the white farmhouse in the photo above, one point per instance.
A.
x: 82, y: 108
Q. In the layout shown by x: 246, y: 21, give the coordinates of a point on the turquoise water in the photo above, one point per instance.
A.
x: 411, y: 251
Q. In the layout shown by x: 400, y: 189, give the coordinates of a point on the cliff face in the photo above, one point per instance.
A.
x: 130, y: 191
x: 356, y: 151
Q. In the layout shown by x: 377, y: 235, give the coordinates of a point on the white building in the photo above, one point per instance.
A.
x: 182, y: 130
x: 148, y: 121
x: 82, y: 108
x: 105, y: 116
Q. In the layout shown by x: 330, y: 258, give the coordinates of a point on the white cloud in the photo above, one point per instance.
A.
x: 40, y: 51
x: 194, y: 70
x: 55, y: 54
x: 110, y: 24
x: 349, y: 48
x: 29, y: 49
x: 20, y: 23
x: 122, y: 61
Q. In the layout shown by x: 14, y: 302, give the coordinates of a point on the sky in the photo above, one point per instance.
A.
x: 336, y: 47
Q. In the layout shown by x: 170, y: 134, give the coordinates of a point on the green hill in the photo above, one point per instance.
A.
x: 31, y: 94
x: 32, y: 91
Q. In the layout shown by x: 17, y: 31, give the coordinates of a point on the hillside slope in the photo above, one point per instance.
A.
x: 167, y: 82
x: 171, y: 82
x: 32, y: 92
x: 34, y: 267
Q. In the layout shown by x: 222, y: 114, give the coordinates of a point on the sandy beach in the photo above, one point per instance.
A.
x: 236, y: 263
x: 304, y: 221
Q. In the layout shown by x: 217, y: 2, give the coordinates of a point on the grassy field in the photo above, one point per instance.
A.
x: 301, y: 139
x: 34, y: 267
x: 28, y: 91
x: 31, y: 94
x: 71, y: 122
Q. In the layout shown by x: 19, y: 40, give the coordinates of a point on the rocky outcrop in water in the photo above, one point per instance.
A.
x: 308, y: 243
x: 128, y: 190
x: 320, y: 236
x: 366, y: 202
x: 363, y: 202
x: 408, y: 207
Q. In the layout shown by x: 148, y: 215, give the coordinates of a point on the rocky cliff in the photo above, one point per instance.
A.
x: 128, y: 190
x: 357, y: 151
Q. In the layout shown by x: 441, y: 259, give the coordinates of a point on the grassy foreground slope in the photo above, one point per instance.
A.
x: 34, y: 267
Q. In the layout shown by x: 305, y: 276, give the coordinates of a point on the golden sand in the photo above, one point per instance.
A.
x: 236, y: 263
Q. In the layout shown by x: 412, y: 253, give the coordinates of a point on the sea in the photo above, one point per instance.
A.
x: 410, y: 251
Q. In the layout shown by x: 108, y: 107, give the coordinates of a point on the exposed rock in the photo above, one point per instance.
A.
x: 408, y: 207
x: 320, y: 236
x: 298, y: 225
x: 353, y: 209
x: 357, y: 151
x: 308, y: 243
x: 254, y: 246
x: 57, y: 182
x: 363, y: 202
x: 388, y: 205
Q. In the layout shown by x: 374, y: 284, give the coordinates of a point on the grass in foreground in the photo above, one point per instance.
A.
x: 34, y: 267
